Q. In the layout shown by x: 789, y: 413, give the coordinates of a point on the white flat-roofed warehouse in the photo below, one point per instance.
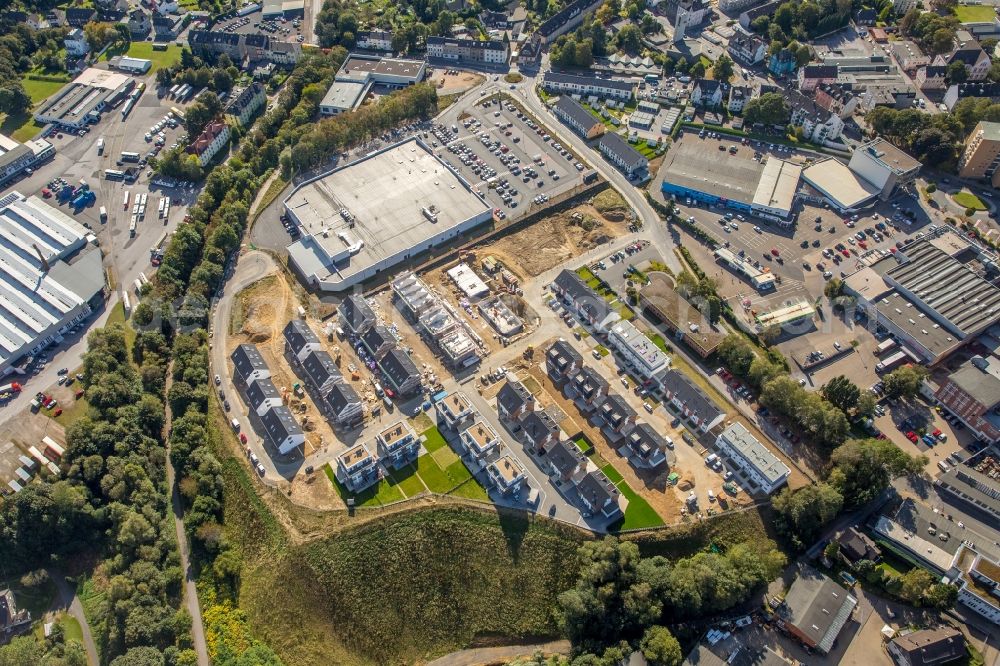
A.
x: 85, y: 98
x: 368, y: 216
x: 844, y: 189
x: 49, y: 275
x: 775, y: 194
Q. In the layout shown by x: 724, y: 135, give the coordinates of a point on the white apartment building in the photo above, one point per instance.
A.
x: 638, y: 350
x: 750, y: 455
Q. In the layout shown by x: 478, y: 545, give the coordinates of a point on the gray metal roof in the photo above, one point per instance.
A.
x: 398, y: 367
x: 513, y: 395
x: 818, y: 607
x: 320, y: 367
x: 279, y: 423
x: 963, y: 301
x: 618, y: 146
x: 614, y: 84
x: 696, y: 400
x: 260, y: 391
x: 356, y: 312
x: 575, y: 111
x: 247, y: 359
x: 755, y: 453
x: 298, y: 334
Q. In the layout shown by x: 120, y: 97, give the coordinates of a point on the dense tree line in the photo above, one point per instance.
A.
x: 802, y: 21
x: 861, y: 469
x: 21, y: 49
x: 933, y: 31
x: 216, y: 75
x: 52, y: 650
x: 931, y: 138
x: 330, y: 136
x: 621, y: 600
x: 768, y: 109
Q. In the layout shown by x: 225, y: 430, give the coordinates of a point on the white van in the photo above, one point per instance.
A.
x: 710, y: 460
x: 235, y: 423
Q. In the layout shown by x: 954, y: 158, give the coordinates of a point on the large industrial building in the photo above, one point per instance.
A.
x: 15, y: 156
x: 361, y: 73
x: 51, y: 277
x: 876, y: 169
x: 931, y: 295
x: 370, y: 215
x: 845, y: 190
x: 81, y: 102
x: 697, y: 168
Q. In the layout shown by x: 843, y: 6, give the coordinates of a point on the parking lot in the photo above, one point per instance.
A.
x: 283, y: 29
x: 508, y: 156
x: 77, y: 159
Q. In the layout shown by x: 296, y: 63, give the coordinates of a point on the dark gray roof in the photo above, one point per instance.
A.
x: 513, y: 395
x: 375, y: 34
x: 968, y: 55
x: 645, y: 434
x: 566, y: 456
x: 579, y: 115
x: 696, y: 400
x: 279, y: 423
x: 208, y: 37
x: 376, y: 336
x: 244, y: 98
x: 708, y: 86
x: 79, y: 15
x: 615, y: 410
x: 978, y: 89
x: 298, y: 334
x: 565, y: 15
x: 960, y: 298
x: 857, y: 546
x: 562, y: 355
x: 767, y: 9
x: 932, y: 646
x: 817, y: 606
x: 616, y: 145
x: 247, y: 359
x: 615, y: 84
x: 538, y: 425
x: 341, y: 396
x: 573, y: 284
x: 320, y: 367
x: 257, y: 40
x: 935, y: 71
x: 820, y: 71
x: 733, y: 655
x: 597, y: 488
x: 398, y: 367
x: 356, y: 312
x: 589, y: 381
x: 259, y: 391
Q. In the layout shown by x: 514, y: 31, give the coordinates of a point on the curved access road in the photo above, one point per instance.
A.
x: 69, y: 601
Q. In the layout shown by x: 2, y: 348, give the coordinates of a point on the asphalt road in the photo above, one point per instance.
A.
x: 69, y: 601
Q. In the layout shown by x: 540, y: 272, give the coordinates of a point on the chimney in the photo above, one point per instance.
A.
x: 41, y: 258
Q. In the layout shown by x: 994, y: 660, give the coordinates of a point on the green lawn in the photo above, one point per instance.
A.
x: 434, y: 440
x: 408, y: 481
x: 40, y: 91
x: 969, y: 200
x: 383, y: 492
x: 975, y: 13
x: 72, y: 410
x: 435, y: 478
x: 471, y: 490
x: 613, y: 474
x: 602, y: 350
x: 638, y: 514
x: 582, y: 444
x: 71, y: 627
x: 145, y: 51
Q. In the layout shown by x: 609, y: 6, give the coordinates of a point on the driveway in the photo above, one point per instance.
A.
x: 71, y: 604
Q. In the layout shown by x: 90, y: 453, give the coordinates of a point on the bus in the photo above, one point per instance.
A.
x: 178, y: 114
x: 125, y: 304
x: 114, y: 174
x: 159, y: 208
x: 130, y: 157
x: 100, y: 146
x: 127, y: 196
x: 104, y: 214
x: 174, y: 89
x: 131, y: 226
